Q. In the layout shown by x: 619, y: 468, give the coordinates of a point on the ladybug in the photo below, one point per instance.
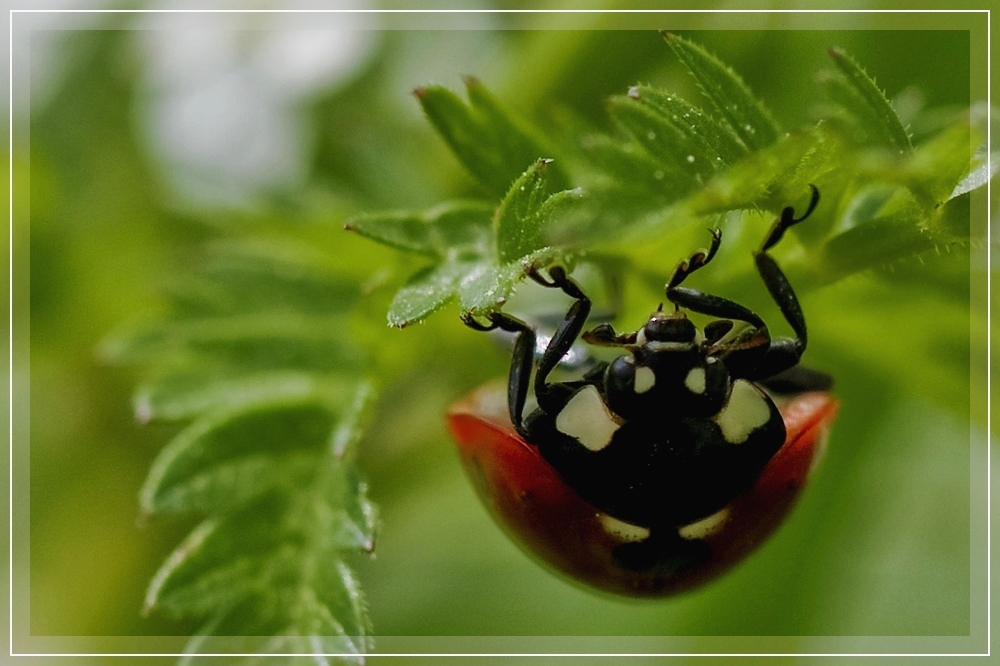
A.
x: 658, y: 470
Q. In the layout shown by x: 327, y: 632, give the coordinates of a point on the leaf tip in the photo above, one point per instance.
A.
x: 836, y: 52
x: 471, y: 81
x: 669, y: 36
x: 395, y: 322
x: 419, y: 92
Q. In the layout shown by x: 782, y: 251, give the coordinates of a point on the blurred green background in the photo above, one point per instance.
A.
x: 880, y: 544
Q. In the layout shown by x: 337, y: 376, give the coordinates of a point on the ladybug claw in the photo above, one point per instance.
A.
x: 471, y: 322
x: 537, y: 277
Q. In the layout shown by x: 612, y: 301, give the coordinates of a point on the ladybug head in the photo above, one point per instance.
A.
x: 662, y: 327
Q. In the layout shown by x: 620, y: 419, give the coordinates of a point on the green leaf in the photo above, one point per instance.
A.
x: 185, y: 395
x: 719, y: 142
x: 978, y: 177
x: 237, y: 277
x: 772, y: 177
x: 439, y: 232
x: 688, y: 143
x: 885, y: 238
x: 482, y: 278
x: 662, y: 139
x: 488, y: 286
x: 865, y: 102
x: 458, y: 234
x: 265, y: 370
x: 748, y: 117
x: 427, y: 291
x: 524, y: 212
x: 225, y: 459
x: 935, y: 168
x: 902, y: 228
x: 266, y: 575
x: 627, y: 167
x: 273, y: 564
x: 252, y: 341
x: 492, y: 144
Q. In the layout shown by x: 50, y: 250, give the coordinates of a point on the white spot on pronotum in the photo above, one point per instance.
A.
x: 745, y: 411
x: 586, y: 418
x: 622, y: 530
x: 695, y: 380
x: 640, y: 337
x: 644, y: 379
x: 706, y: 526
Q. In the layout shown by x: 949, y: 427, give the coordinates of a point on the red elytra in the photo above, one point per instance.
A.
x: 550, y: 521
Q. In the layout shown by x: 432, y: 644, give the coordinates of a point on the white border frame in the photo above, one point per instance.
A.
x: 989, y: 145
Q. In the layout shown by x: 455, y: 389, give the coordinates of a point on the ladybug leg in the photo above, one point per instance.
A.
x: 698, y: 260
x: 784, y: 352
x: 712, y: 305
x: 604, y: 336
x: 699, y: 301
x: 798, y: 379
x: 520, y: 365
x: 552, y: 396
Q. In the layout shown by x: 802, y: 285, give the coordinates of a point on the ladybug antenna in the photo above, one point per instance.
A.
x: 660, y: 308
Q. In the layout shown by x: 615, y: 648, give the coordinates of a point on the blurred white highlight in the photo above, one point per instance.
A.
x: 224, y: 95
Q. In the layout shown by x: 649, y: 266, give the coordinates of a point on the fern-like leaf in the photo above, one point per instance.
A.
x: 749, y: 119
x: 483, y: 268
x: 490, y: 142
x: 257, y: 360
x: 864, y: 102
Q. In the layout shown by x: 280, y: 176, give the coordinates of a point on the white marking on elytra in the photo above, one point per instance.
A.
x: 624, y: 531
x: 745, y: 411
x: 640, y: 337
x: 695, y: 380
x: 659, y: 345
x: 586, y: 418
x: 644, y: 379
x: 708, y: 526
